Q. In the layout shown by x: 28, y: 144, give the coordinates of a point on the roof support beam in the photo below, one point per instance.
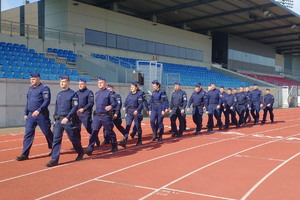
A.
x: 288, y: 46
x: 274, y: 36
x: 282, y: 41
x: 174, y: 8
x: 246, y: 23
x: 225, y: 13
x: 264, y: 29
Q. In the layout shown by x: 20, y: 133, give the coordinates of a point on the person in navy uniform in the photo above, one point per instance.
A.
x: 197, y: 99
x: 268, y: 101
x: 241, y: 105
x: 158, y: 106
x: 85, y: 107
x: 146, y: 107
x: 247, y: 115
x: 36, y: 113
x: 229, y: 105
x: 255, y: 103
x: 213, y: 104
x: 103, y: 116
x: 222, y: 99
x: 117, y: 120
x: 133, y: 106
x: 65, y: 119
x: 177, y: 109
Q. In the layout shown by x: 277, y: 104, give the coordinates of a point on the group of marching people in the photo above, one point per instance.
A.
x: 72, y: 109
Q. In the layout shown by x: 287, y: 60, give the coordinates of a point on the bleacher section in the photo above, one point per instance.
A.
x: 68, y: 54
x: 279, y: 81
x: 17, y: 61
x: 189, y: 75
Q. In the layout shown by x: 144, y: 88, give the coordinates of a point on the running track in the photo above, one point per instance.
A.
x: 254, y: 162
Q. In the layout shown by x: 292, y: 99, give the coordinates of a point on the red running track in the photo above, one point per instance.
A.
x: 253, y: 162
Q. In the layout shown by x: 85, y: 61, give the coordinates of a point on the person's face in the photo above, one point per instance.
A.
x: 247, y: 89
x: 81, y: 85
x: 155, y: 87
x: 133, y: 89
x: 111, y: 89
x: 212, y: 87
x: 267, y: 91
x: 176, y: 87
x: 35, y: 81
x: 208, y: 88
x: 229, y: 92
x: 197, y: 89
x: 241, y: 89
x: 234, y: 91
x: 255, y: 87
x: 222, y: 90
x: 64, y: 84
x: 101, y: 84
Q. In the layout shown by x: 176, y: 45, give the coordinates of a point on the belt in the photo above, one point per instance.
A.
x: 200, y: 106
x: 131, y: 107
x: 156, y: 103
x: 214, y: 104
x: 256, y: 102
x: 59, y: 117
x: 110, y: 113
x: 241, y: 103
x: 176, y: 106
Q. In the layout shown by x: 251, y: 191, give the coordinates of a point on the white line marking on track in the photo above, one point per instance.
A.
x: 113, y: 182
x: 208, y: 165
x: 137, y: 164
x: 200, y: 194
x: 263, y: 158
x: 267, y: 176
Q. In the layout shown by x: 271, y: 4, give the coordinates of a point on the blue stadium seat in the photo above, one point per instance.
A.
x: 50, y: 50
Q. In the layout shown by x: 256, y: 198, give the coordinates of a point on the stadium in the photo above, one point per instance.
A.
x: 230, y: 43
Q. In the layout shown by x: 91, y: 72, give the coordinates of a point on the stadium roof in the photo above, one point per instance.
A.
x: 265, y: 21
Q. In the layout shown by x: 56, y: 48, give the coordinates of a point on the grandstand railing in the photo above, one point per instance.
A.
x: 31, y: 31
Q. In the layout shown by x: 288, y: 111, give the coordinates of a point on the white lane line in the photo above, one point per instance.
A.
x: 263, y: 158
x: 131, y: 166
x: 206, y: 166
x: 137, y: 164
x: 113, y: 182
x: 267, y: 176
x: 199, y: 194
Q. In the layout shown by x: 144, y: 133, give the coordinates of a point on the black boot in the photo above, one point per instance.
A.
x: 22, y: 157
x: 154, y: 136
x: 114, y: 148
x: 98, y: 143
x: 139, y: 142
x: 160, y: 136
x: 123, y: 143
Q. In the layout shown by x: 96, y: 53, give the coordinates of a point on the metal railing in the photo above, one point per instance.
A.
x: 31, y: 31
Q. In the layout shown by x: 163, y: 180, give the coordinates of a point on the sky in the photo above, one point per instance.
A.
x: 8, y: 4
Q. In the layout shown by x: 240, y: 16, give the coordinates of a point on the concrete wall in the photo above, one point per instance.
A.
x: 252, y: 48
x: 11, y: 15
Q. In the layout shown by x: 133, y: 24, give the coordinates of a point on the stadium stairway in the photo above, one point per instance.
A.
x: 17, y: 61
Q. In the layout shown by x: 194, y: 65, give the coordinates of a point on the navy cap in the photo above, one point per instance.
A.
x: 212, y: 84
x: 229, y: 89
x: 134, y: 83
x: 198, y: 84
x: 64, y: 76
x: 155, y: 82
x: 82, y: 80
x: 101, y: 79
x: 33, y: 75
x: 268, y: 89
x: 137, y: 82
x: 235, y: 88
x: 222, y: 87
x: 176, y: 83
x: 254, y: 84
x: 241, y: 86
x: 110, y: 86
